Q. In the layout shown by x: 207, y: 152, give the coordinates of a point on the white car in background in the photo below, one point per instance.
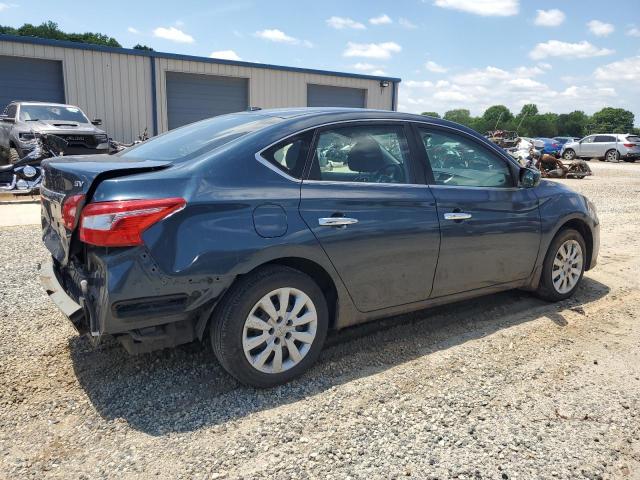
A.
x: 610, y: 147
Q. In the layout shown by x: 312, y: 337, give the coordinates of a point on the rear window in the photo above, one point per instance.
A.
x: 633, y: 138
x: 198, y: 138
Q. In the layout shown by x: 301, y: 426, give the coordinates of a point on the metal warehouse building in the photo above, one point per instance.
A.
x: 131, y: 90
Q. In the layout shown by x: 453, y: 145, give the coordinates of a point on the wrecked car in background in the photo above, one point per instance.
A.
x: 21, y: 121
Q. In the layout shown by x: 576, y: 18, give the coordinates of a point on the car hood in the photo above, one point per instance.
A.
x: 60, y: 127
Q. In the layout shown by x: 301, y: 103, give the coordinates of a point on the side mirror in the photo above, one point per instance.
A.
x: 529, y: 177
x: 97, y: 122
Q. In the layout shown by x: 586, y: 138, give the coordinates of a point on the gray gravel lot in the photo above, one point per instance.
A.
x: 500, y: 387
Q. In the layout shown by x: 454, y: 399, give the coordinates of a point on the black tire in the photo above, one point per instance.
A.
x: 546, y: 290
x: 614, y: 154
x: 569, y: 154
x: 13, y: 156
x: 630, y: 160
x: 229, y: 319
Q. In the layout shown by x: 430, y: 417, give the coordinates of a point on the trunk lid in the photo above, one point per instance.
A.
x: 65, y: 177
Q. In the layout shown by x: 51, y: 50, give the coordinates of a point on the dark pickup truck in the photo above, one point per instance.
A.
x: 21, y: 120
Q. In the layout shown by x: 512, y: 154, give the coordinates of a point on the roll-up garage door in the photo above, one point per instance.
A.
x: 327, y: 96
x: 30, y: 79
x: 192, y: 97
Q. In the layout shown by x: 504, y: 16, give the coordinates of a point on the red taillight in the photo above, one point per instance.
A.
x: 121, y: 223
x: 70, y: 210
x: 629, y: 145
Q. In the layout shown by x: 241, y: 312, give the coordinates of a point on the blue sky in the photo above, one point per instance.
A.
x: 561, y: 54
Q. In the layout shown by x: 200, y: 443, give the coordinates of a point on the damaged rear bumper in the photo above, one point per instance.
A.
x: 67, y: 305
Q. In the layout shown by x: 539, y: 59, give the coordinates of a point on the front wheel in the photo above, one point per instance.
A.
x: 569, y: 154
x: 270, y: 326
x: 563, y: 266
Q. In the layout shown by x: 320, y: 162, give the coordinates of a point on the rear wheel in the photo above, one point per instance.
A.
x: 630, y: 160
x: 612, y: 155
x: 563, y: 266
x: 569, y: 154
x: 270, y: 326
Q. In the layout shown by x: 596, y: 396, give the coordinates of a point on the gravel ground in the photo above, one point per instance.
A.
x: 500, y: 387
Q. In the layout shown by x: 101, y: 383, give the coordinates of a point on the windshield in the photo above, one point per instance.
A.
x: 198, y: 138
x: 51, y: 112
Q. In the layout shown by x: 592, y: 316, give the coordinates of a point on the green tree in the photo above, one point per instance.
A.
x: 497, y: 116
x: 573, y: 124
x: 528, y: 110
x: 431, y: 114
x: 612, y: 120
x: 138, y: 46
x: 52, y: 31
x: 459, y: 115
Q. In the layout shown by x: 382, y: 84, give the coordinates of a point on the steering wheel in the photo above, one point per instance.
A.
x: 390, y: 173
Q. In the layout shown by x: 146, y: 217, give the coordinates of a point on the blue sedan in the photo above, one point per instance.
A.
x: 262, y: 231
x: 551, y: 146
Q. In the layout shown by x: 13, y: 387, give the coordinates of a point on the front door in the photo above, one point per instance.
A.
x: 373, y: 215
x: 587, y: 147
x: 490, y: 228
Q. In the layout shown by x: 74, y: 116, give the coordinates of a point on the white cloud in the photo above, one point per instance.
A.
x: 626, y: 70
x: 549, y: 18
x: 369, y: 68
x: 7, y: 6
x: 278, y: 36
x: 633, y: 31
x: 341, y: 23
x: 600, y: 29
x: 406, y: 23
x: 383, y: 19
x: 133, y: 30
x: 173, y: 34
x: 434, y: 67
x: 486, y: 8
x: 225, y: 55
x: 480, y: 88
x: 556, y: 48
x: 372, y: 50
x: 419, y: 84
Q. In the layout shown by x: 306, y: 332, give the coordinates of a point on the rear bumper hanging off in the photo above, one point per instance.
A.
x: 67, y: 305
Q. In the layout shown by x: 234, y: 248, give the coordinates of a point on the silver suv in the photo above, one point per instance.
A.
x: 610, y: 147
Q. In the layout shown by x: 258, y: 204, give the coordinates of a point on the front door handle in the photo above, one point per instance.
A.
x: 336, y: 221
x: 457, y: 216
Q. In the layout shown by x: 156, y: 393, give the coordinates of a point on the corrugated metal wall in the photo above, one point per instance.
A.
x: 110, y: 86
x: 268, y: 88
x: 116, y: 87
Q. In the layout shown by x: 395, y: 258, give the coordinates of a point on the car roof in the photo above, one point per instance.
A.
x: 320, y: 115
x: 51, y: 104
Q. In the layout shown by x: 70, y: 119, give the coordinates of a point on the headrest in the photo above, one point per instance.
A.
x: 291, y: 157
x: 366, y: 156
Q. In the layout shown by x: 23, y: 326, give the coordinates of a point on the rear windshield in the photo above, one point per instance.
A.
x: 61, y: 113
x: 633, y: 138
x: 198, y: 138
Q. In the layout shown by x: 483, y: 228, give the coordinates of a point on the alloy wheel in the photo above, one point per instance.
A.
x: 567, y: 266
x: 279, y: 330
x: 612, y: 156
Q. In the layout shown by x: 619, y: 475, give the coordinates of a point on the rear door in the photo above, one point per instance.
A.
x: 604, y: 143
x: 365, y: 200
x: 490, y: 228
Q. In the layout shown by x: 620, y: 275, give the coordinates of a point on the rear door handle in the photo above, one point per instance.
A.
x: 336, y: 221
x: 457, y: 216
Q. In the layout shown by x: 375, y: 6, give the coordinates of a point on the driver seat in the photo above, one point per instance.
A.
x: 366, y: 156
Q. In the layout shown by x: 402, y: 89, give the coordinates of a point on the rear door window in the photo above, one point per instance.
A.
x: 605, y: 139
